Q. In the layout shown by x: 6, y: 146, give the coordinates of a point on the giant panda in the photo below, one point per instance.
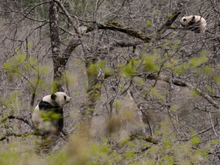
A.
x: 47, y: 116
x: 194, y: 23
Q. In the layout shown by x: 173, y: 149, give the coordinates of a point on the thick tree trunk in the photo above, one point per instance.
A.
x: 55, y: 45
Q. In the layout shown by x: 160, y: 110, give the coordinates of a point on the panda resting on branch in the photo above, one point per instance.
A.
x: 48, y: 114
x: 194, y: 23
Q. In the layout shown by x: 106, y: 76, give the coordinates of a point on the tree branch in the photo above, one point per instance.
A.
x: 18, y: 118
x: 169, y: 22
x: 183, y: 83
x: 74, y: 42
x: 125, y: 43
x: 17, y: 135
x: 129, y: 31
x: 60, y: 4
x: 117, y: 27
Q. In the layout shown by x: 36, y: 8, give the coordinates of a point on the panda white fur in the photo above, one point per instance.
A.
x: 194, y: 23
x: 48, y: 114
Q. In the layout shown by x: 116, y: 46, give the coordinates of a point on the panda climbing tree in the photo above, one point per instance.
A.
x: 194, y: 23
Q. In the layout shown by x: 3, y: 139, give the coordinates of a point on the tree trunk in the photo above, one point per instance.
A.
x: 55, y: 46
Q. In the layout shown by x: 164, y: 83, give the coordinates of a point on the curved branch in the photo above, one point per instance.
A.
x: 18, y: 118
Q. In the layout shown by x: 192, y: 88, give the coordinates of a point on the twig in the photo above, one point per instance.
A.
x: 60, y: 4
x: 213, y: 126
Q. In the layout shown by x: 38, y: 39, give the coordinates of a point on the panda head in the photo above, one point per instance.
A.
x: 186, y: 20
x: 57, y: 99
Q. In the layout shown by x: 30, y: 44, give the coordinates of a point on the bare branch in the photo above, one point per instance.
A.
x: 183, y: 83
x: 18, y: 118
x: 129, y: 31
x: 29, y: 12
x: 118, y: 27
x: 169, y: 22
x: 60, y: 4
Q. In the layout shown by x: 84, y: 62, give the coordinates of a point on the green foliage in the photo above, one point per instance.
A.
x: 21, y: 66
x: 194, y: 93
x: 174, y: 108
x: 170, y: 15
x: 193, y: 64
x: 173, y: 151
x: 156, y: 94
x: 14, y: 62
x: 208, y: 69
x: 50, y: 115
x: 195, y: 140
x: 84, y: 150
x: 148, y: 23
x: 19, y: 153
x: 98, y: 65
x: 95, y: 67
x: 214, y: 142
x: 150, y: 62
x: 21, y: 63
x: 129, y: 69
x: 129, y: 154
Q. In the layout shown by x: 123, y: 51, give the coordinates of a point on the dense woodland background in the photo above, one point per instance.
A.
x: 144, y: 90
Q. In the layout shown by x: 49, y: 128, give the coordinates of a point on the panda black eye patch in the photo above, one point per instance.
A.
x: 64, y: 97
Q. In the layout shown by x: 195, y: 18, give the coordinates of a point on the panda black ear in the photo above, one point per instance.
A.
x: 53, y: 96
